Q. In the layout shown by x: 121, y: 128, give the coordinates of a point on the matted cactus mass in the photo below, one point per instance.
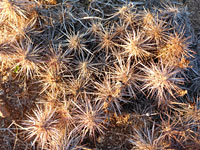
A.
x: 97, y: 74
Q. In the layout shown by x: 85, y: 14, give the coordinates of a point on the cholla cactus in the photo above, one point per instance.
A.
x: 13, y: 11
x: 76, y: 87
x: 109, y: 92
x: 27, y: 58
x: 89, y: 118
x: 86, y: 66
x: 176, y: 49
x: 75, y: 42
x: 43, y: 126
x: 57, y: 59
x: 136, y: 45
x: 52, y: 81
x: 147, y: 138
x: 161, y: 81
x: 16, y: 16
x: 106, y: 40
x: 124, y: 72
x: 91, y: 62
x: 157, y: 31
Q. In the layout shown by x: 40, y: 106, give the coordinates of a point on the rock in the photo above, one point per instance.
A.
x: 1, y: 91
x: 100, y: 139
x: 3, y: 110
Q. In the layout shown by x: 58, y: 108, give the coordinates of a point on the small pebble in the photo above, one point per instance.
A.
x: 1, y: 91
x: 100, y: 139
x: 3, y: 110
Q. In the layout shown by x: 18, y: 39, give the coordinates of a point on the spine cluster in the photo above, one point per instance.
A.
x: 89, y: 65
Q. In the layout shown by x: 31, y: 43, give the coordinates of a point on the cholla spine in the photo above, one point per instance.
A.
x: 143, y: 42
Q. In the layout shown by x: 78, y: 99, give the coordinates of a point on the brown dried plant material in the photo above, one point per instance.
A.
x: 49, y: 2
x: 122, y: 119
x: 52, y: 1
